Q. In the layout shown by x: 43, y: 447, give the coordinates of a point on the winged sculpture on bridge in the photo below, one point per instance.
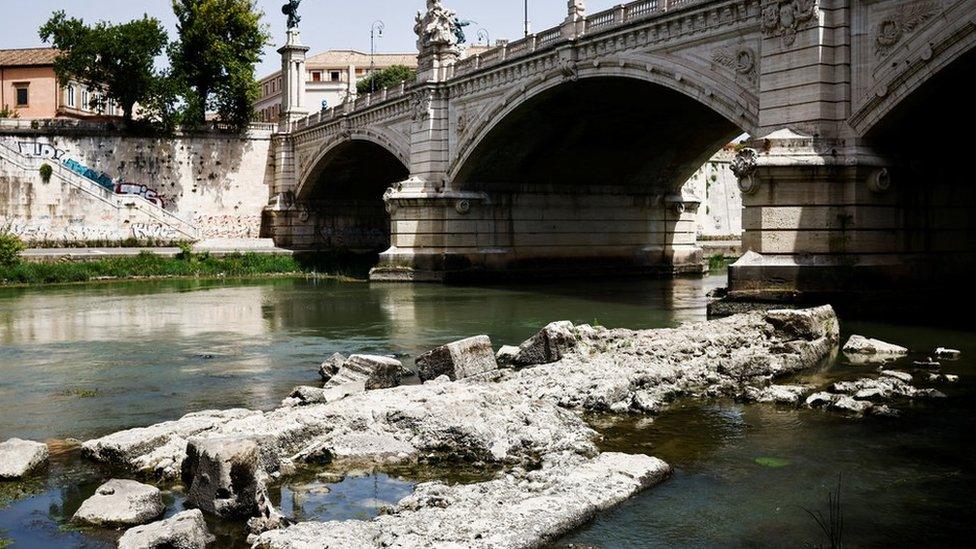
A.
x: 291, y: 10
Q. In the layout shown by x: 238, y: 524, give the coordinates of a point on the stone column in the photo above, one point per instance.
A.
x: 575, y: 23
x: 417, y: 251
x: 293, y: 80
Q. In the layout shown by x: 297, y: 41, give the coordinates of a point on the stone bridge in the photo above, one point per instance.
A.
x: 566, y: 151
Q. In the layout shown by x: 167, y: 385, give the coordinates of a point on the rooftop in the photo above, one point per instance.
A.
x: 28, y: 57
x: 340, y: 59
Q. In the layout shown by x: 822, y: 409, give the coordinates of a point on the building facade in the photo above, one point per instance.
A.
x: 29, y: 88
x: 330, y: 77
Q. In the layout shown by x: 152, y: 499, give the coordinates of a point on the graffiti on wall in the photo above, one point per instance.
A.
x: 49, y: 231
x: 45, y: 150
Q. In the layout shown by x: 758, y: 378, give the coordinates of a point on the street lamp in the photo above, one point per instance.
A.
x: 527, y: 30
x: 483, y: 36
x: 375, y: 31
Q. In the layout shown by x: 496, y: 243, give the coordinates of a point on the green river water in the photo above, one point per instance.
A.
x: 84, y: 361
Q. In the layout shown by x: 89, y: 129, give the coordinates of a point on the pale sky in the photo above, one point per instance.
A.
x: 326, y: 24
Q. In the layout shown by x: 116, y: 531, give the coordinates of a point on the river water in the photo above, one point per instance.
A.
x: 84, y: 361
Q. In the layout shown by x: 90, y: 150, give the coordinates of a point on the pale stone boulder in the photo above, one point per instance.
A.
x: 951, y: 354
x: 860, y: 345
x: 19, y: 457
x: 304, y: 395
x: 458, y: 360
x: 331, y: 366
x: 506, y: 355
x: 901, y: 376
x: 222, y: 477
x: 121, y: 503
x: 549, y: 345
x: 376, y: 372
x: 778, y: 394
x: 186, y: 530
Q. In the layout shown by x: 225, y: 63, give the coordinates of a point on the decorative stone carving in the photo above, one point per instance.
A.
x: 787, y: 18
x: 741, y: 60
x: 463, y: 206
x: 422, y: 102
x: 391, y: 206
x: 900, y: 23
x: 577, y: 9
x: 569, y: 69
x: 462, y: 121
x: 436, y: 29
x: 744, y: 166
x: 879, y: 181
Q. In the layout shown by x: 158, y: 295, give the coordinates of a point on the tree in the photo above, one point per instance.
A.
x: 386, y: 78
x: 118, y: 60
x: 7, y: 112
x: 219, y: 43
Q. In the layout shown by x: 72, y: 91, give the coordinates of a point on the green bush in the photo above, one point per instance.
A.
x: 46, y: 172
x: 10, y: 248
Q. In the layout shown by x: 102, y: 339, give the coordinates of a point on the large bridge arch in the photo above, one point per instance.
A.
x: 339, y: 201
x: 716, y: 96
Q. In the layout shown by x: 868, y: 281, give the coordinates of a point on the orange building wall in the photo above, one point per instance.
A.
x: 43, y: 91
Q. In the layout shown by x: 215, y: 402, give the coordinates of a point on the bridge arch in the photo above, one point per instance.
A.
x: 726, y: 99
x: 340, y: 198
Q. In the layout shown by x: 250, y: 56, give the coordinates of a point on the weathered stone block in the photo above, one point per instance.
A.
x: 221, y: 476
x: 549, y: 345
x: 186, y: 530
x: 866, y: 346
x: 458, y: 360
x: 19, y: 457
x: 376, y: 372
x: 331, y: 366
x: 121, y: 503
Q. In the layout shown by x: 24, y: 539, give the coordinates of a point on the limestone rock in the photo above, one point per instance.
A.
x: 331, y: 366
x: 818, y: 400
x: 187, y: 530
x: 549, y: 345
x: 222, y: 476
x: 376, y: 372
x: 849, y: 404
x: 520, y: 509
x: 943, y: 378
x: 19, y: 457
x: 458, y: 360
x: 779, y: 394
x: 121, y: 503
x: 927, y: 363
x: 950, y: 354
x: 860, y: 345
x: 506, y: 355
x: 304, y: 395
x: 902, y: 376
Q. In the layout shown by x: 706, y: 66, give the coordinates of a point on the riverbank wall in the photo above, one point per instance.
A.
x: 106, y: 188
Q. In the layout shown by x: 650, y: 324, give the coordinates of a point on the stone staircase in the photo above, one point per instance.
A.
x: 124, y: 206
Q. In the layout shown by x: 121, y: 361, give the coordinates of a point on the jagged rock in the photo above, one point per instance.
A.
x: 458, y: 360
x: 818, y: 400
x: 520, y: 509
x: 902, y: 376
x: 848, y: 404
x: 222, y: 476
x: 779, y: 394
x: 928, y: 363
x: 187, y: 530
x: 860, y: 345
x: 882, y: 388
x: 302, y: 396
x: 930, y: 393
x: 549, y: 345
x: 943, y: 378
x: 376, y: 372
x: 506, y: 355
x: 121, y: 503
x: 19, y: 457
x: 950, y: 354
x: 331, y: 366
x: 882, y: 410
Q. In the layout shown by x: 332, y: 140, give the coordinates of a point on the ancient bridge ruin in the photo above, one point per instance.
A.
x: 567, y: 150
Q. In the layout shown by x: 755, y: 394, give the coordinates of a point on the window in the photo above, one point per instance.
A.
x: 316, y: 76
x: 23, y: 96
x: 71, y: 96
x: 335, y: 76
x: 86, y: 100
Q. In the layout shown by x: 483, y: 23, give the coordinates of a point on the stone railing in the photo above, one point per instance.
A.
x: 361, y: 102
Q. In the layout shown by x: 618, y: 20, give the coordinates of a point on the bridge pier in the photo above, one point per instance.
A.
x: 538, y: 231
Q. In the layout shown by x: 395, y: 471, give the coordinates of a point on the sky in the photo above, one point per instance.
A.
x: 326, y: 24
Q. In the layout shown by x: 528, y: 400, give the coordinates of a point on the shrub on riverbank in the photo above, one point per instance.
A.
x: 148, y: 264
x: 10, y: 248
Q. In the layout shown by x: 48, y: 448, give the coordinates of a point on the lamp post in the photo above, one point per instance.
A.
x: 375, y: 31
x: 527, y: 29
x: 483, y: 36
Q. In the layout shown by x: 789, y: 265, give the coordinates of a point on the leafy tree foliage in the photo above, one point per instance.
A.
x: 386, y: 78
x: 7, y: 112
x: 213, y: 58
x: 117, y: 59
